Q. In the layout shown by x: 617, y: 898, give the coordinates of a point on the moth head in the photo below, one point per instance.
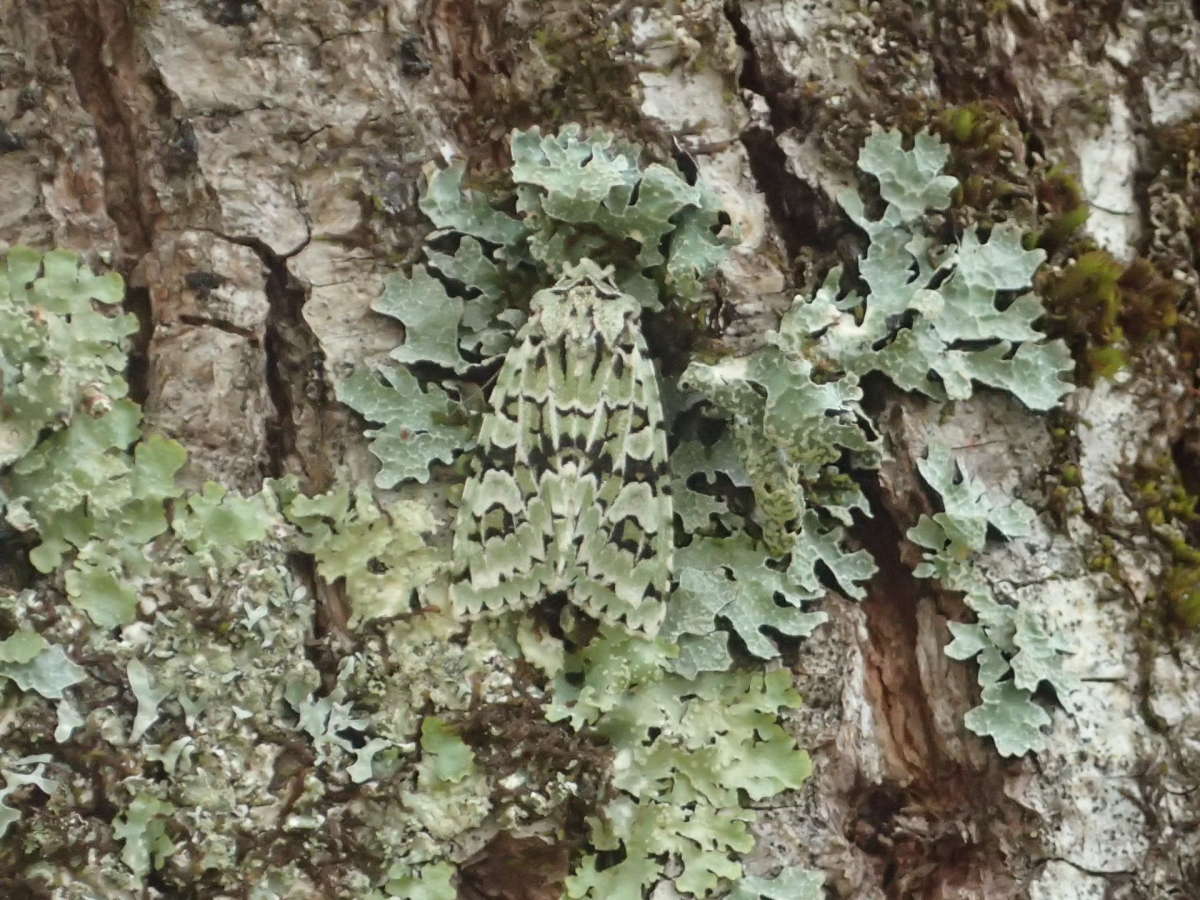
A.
x: 583, y: 304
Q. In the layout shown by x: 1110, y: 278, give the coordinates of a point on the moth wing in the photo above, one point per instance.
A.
x: 571, y: 490
x: 625, y: 557
x: 501, y: 527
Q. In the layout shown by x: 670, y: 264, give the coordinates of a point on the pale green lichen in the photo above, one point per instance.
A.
x: 28, y: 770
x: 791, y: 883
x: 588, y: 212
x: 934, y: 318
x: 34, y: 664
x: 707, y: 467
x: 143, y: 828
x: 451, y: 795
x: 66, y: 428
x: 148, y: 694
x: 687, y: 748
x: 730, y: 578
x: 1014, y: 650
x: 431, y: 882
x: 388, y: 567
x: 217, y: 525
x: 420, y: 425
x: 83, y: 492
x: 62, y: 352
x: 268, y: 744
x: 571, y: 182
x: 789, y: 431
x: 578, y: 197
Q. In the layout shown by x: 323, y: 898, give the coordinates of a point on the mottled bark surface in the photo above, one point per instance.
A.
x: 252, y: 169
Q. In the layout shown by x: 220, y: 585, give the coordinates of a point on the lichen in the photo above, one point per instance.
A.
x: 283, y: 695
x: 592, y: 219
x: 1014, y: 649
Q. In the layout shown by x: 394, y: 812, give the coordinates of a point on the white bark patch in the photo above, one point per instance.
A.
x: 1107, y: 162
x: 1096, y: 823
x: 254, y: 201
x: 1112, y: 426
x: 1063, y: 881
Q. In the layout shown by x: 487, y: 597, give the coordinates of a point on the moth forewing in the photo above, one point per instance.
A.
x: 571, y: 491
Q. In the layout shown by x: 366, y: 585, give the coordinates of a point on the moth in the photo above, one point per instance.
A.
x: 570, y: 490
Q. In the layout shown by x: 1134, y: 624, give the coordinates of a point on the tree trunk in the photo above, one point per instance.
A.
x: 252, y: 169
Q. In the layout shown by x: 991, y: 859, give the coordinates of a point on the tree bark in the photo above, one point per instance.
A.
x: 252, y: 169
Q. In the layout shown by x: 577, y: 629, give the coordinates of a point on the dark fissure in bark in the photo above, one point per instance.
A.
x: 796, y: 208
x: 86, y: 32
x: 951, y: 804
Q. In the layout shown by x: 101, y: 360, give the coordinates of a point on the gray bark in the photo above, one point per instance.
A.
x: 252, y: 169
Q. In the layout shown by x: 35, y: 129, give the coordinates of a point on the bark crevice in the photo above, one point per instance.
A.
x: 87, y: 34
x: 797, y: 209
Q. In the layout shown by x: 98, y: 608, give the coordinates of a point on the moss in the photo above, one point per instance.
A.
x: 578, y: 71
x: 986, y: 158
x: 1168, y: 509
x: 1176, y: 151
x: 143, y: 12
x: 1070, y: 476
x: 1102, y: 562
x: 1063, y: 208
x: 989, y: 150
x: 1107, y: 310
x: 1105, y: 362
x: 1086, y: 295
x: 1182, y: 591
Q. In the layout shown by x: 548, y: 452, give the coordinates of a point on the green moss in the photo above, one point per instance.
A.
x: 1070, y: 476
x: 1105, y: 362
x: 1106, y: 310
x: 1183, y: 552
x: 1149, y: 301
x: 1168, y: 509
x: 1063, y: 206
x: 1177, y: 146
x: 1087, y: 297
x: 1182, y: 590
x: 983, y: 140
x: 577, y: 64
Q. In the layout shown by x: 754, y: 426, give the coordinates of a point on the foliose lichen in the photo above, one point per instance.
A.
x: 593, y: 220
x: 168, y: 647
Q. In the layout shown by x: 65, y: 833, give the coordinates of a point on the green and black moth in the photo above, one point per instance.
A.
x: 571, y: 491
